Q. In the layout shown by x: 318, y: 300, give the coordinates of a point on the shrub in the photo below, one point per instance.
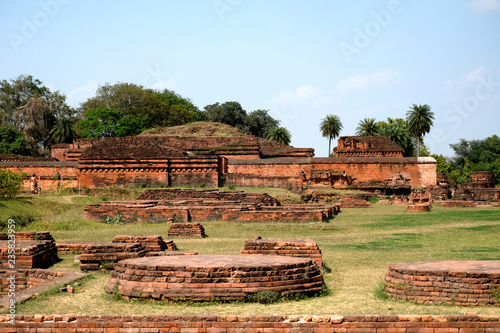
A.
x: 373, y: 199
x: 10, y: 183
x: 263, y: 297
x: 231, y: 187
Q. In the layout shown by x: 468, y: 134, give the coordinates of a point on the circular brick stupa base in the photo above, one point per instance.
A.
x: 213, y: 277
x: 468, y: 282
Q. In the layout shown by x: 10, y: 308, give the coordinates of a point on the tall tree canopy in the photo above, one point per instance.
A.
x: 163, y: 108
x: 367, y: 127
x: 397, y: 130
x: 259, y: 123
x: 13, y: 142
x: 280, y: 134
x: 105, y: 123
x: 420, y: 119
x: 330, y: 128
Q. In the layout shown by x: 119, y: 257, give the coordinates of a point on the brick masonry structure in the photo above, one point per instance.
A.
x: 151, y: 243
x: 191, y: 205
x: 28, y: 254
x: 186, y: 230
x: 213, y: 277
x: 106, y: 255
x: 253, y: 324
x: 304, y: 248
x: 464, y: 283
x: 420, y: 200
x: 26, y: 278
x: 366, y: 146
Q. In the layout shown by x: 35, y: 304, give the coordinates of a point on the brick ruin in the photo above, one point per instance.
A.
x: 359, y: 162
x: 186, y: 230
x: 207, y: 205
x: 26, y: 278
x: 420, y: 200
x: 213, y: 277
x: 304, y: 248
x: 33, y: 249
x: 481, y: 189
x: 367, y: 146
x: 454, y: 282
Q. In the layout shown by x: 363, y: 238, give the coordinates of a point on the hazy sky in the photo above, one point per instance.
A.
x: 301, y: 60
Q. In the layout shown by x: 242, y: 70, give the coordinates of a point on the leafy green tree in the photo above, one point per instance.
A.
x: 10, y: 183
x: 442, y: 165
x: 259, y: 123
x: 330, y: 128
x: 466, y: 172
x: 13, y: 142
x: 397, y: 131
x: 367, y: 127
x: 477, y: 151
x: 162, y: 108
x: 103, y: 123
x: 230, y: 113
x: 63, y: 131
x: 280, y: 134
x: 420, y: 119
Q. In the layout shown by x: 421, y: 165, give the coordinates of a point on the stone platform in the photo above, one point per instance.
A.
x: 28, y: 254
x: 305, y: 248
x: 213, y: 277
x: 464, y: 283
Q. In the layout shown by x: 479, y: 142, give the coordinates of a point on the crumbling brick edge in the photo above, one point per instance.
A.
x: 250, y: 323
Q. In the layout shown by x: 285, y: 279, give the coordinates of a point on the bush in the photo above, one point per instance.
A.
x: 373, y: 199
x: 263, y: 297
x: 10, y: 183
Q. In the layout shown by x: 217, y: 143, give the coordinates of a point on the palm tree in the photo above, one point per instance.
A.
x: 367, y: 127
x: 398, y: 133
x: 330, y: 128
x: 63, y: 131
x: 419, y: 119
x: 279, y: 134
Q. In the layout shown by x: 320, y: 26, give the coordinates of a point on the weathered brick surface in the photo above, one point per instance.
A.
x: 305, y: 248
x: 46, y: 173
x: 28, y: 254
x: 354, y: 202
x: 25, y: 278
x: 186, y: 230
x: 150, y: 242
x: 464, y: 283
x: 192, y: 205
x: 455, y: 203
x: 213, y: 277
x: 253, y: 324
x: 366, y: 146
x: 97, y: 255
x: 29, y: 235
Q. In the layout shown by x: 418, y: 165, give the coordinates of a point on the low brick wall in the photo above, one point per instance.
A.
x: 26, y: 278
x: 454, y: 282
x: 243, y: 180
x: 458, y: 203
x: 253, y: 324
x: 213, y: 277
x: 28, y: 254
x: 106, y: 255
x: 150, y: 242
x: 305, y: 248
x: 186, y: 230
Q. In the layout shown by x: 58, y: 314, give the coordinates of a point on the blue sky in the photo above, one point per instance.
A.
x: 301, y: 60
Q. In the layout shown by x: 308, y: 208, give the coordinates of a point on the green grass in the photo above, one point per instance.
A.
x: 358, y: 245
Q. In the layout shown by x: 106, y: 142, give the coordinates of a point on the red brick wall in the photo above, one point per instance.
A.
x: 46, y: 175
x: 421, y: 173
x: 251, y: 324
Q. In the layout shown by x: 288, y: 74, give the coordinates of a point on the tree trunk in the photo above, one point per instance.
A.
x: 418, y: 146
x: 329, y: 146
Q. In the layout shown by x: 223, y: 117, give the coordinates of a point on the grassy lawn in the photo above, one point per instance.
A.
x: 357, y: 245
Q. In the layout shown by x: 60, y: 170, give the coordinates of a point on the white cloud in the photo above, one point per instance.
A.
x: 365, y: 81
x: 163, y: 84
x: 82, y: 93
x: 307, y: 92
x: 466, y: 79
x: 485, y: 5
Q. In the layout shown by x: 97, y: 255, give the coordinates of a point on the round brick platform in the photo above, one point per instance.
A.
x: 468, y: 282
x: 213, y: 277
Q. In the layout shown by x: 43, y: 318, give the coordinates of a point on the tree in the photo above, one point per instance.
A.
x: 10, y: 183
x: 398, y: 133
x: 367, y: 127
x: 162, y: 108
x: 279, y: 134
x: 230, y: 113
x: 13, y: 142
x: 419, y: 119
x: 330, y: 128
x: 442, y: 165
x: 36, y: 119
x: 259, y: 123
x: 63, y: 131
x: 104, y: 123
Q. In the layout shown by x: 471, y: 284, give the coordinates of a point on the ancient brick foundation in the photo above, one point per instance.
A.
x: 454, y: 203
x: 26, y: 278
x: 420, y: 201
x: 305, y: 248
x: 253, y: 324
x: 186, y: 230
x: 28, y: 254
x: 150, y: 242
x: 462, y: 283
x: 213, y: 277
x: 46, y: 172
x: 354, y: 202
x: 106, y: 255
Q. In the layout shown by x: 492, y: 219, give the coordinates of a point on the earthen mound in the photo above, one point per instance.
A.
x: 200, y: 129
